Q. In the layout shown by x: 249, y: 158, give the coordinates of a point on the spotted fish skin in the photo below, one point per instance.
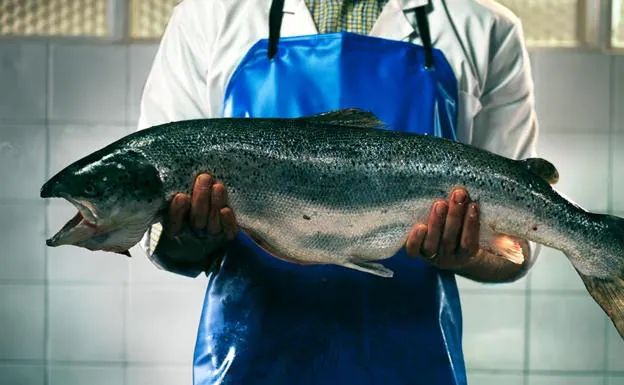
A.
x: 323, y: 192
x: 340, y: 189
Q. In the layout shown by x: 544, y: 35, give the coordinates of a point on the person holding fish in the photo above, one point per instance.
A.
x: 449, y: 68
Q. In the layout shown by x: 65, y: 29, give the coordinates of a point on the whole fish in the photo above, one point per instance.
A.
x: 335, y: 188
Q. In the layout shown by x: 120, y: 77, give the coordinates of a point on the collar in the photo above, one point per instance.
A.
x: 410, y: 4
x: 292, y: 6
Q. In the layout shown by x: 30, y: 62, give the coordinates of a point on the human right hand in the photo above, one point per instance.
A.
x: 204, y: 212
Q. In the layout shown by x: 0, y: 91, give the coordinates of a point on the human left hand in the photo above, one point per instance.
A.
x: 450, y: 238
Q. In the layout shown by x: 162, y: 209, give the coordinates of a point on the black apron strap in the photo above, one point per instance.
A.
x: 275, y: 25
x: 425, y: 36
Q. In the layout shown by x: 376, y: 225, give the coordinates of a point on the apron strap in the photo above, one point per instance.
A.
x: 276, y: 13
x: 425, y: 36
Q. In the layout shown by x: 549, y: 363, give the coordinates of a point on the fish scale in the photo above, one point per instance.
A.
x: 336, y: 188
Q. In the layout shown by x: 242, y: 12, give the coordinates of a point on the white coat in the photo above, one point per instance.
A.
x: 483, y: 41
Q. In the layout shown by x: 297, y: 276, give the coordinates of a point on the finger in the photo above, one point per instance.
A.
x: 229, y: 222
x: 217, y: 203
x: 200, y: 201
x: 415, y: 240
x: 178, y: 209
x: 469, y: 243
x: 434, y: 228
x: 453, y: 223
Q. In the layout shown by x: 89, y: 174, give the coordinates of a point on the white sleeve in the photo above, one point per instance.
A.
x: 507, y: 123
x: 176, y: 90
x: 176, y: 85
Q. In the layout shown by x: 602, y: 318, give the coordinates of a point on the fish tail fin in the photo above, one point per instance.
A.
x: 608, y: 289
x: 609, y: 294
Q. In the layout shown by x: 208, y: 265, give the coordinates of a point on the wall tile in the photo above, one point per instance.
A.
x: 69, y: 143
x: 22, y: 161
x: 566, y: 333
x: 615, y: 356
x: 615, y: 380
x: 83, y: 375
x: 159, y: 375
x: 141, y: 57
x: 554, y: 271
x: 618, y: 173
x: 162, y: 323
x: 618, y: 96
x: 23, y: 78
x: 565, y: 380
x: 576, y: 99
x: 495, y: 379
x: 22, y: 320
x: 493, y: 342
x: 11, y: 374
x: 465, y: 284
x: 22, y: 236
x: 68, y: 263
x: 88, y: 83
x: 86, y: 323
x: 582, y: 162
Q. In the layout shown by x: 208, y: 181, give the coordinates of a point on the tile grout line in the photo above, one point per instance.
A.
x: 46, y: 219
x: 610, y: 197
x: 126, y: 290
x: 527, y: 299
x: 179, y: 365
x: 545, y: 372
x: 527, y: 331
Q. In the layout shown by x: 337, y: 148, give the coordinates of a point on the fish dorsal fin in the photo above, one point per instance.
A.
x: 352, y: 117
x: 542, y: 168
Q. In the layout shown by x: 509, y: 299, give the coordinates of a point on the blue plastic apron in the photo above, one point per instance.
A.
x: 270, y: 322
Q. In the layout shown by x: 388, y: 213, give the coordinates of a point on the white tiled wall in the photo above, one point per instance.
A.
x: 87, y: 374
x: 88, y: 83
x: 22, y: 160
x: 71, y: 317
x: 496, y: 341
x: 550, y: 379
x: 23, y: 73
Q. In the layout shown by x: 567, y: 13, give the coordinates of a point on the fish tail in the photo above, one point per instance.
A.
x: 609, y: 294
x: 608, y: 291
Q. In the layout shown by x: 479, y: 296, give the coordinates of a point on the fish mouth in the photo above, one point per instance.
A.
x: 82, y: 227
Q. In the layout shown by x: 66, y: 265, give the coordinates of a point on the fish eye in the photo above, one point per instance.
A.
x: 89, y: 189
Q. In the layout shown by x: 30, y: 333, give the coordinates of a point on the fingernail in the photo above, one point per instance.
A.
x: 180, y: 200
x: 474, y: 211
x: 459, y: 197
x: 204, y: 180
x: 441, y: 208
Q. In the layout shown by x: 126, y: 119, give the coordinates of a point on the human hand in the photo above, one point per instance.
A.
x: 450, y: 238
x: 205, y: 211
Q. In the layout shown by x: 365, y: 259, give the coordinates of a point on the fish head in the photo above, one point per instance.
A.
x: 118, y: 195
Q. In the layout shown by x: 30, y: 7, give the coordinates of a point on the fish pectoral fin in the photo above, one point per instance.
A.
x: 609, y: 294
x: 369, y: 267
x: 542, y: 168
x: 352, y: 117
x: 504, y: 246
